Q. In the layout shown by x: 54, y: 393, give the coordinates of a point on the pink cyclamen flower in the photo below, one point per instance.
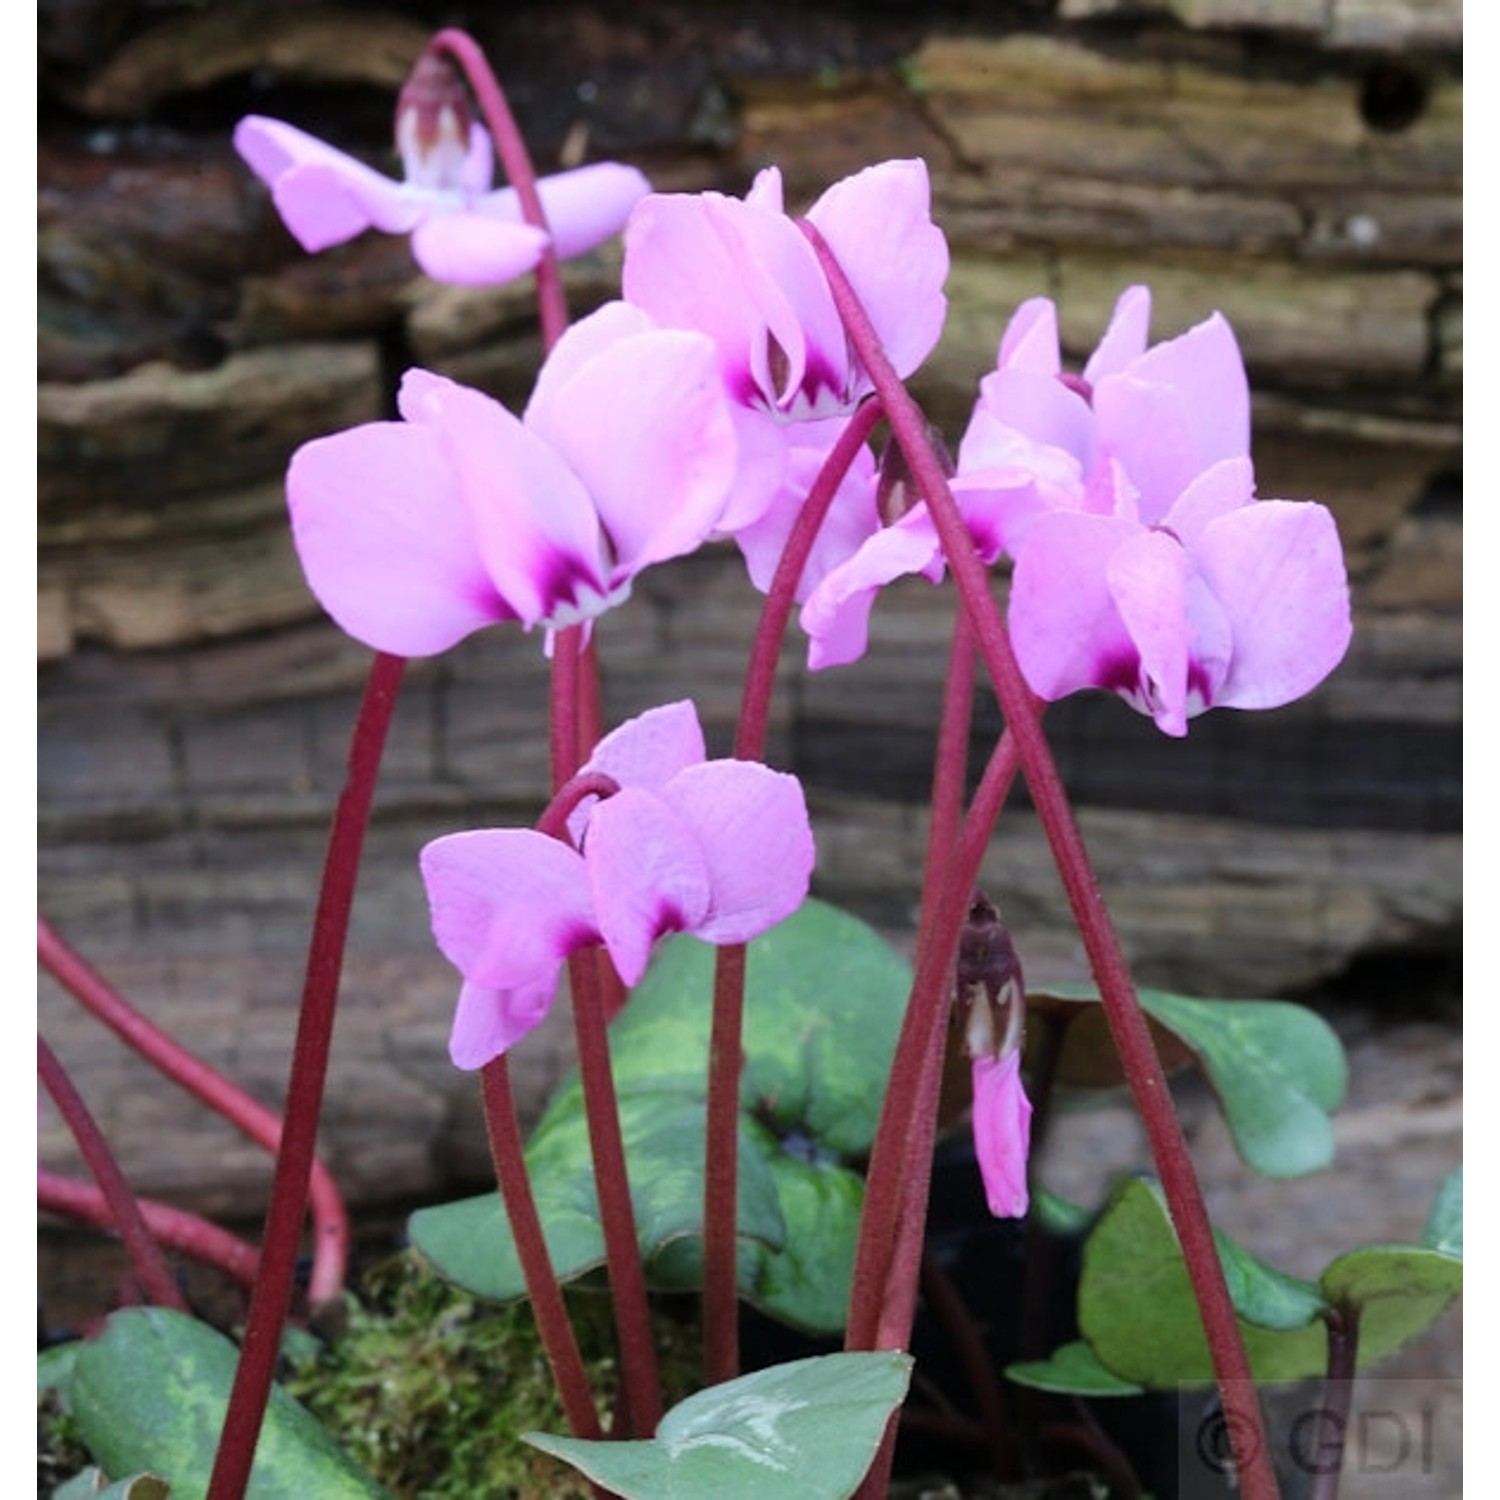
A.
x: 1002, y: 1132
x: 720, y: 849
x: 742, y: 272
x: 462, y: 229
x: 1223, y: 601
x: 415, y: 533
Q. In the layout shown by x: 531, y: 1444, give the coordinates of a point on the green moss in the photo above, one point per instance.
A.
x: 428, y: 1388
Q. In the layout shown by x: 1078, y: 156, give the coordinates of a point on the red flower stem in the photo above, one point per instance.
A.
x: 542, y: 1287
x: 721, y: 1340
x: 1127, y: 1023
x: 247, y: 1114
x: 1338, y: 1396
x: 151, y: 1268
x: 280, y: 1244
x: 563, y: 716
x: 174, y: 1227
x: 627, y: 1276
x: 510, y: 146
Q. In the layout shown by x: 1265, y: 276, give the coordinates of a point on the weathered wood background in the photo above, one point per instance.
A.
x: 1295, y: 163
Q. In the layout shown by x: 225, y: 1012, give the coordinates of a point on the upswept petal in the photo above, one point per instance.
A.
x: 648, y: 875
x: 645, y: 426
x: 467, y: 249
x: 508, y: 904
x: 878, y: 223
x: 533, y: 520
x: 1030, y: 339
x: 1125, y: 339
x: 1002, y: 1132
x: 1277, y: 569
x: 1175, y: 411
x: 548, y: 409
x: 490, y: 1021
x: 1219, y: 490
x: 752, y: 826
x: 1064, y: 622
x: 650, y: 749
x: 1023, y: 416
x: 324, y: 195
x: 385, y: 539
x: 586, y: 206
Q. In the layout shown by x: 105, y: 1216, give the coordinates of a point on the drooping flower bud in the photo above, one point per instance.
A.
x: 433, y: 120
x: 989, y: 999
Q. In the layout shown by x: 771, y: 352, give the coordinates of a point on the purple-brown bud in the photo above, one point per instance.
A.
x: 989, y: 994
x: 432, y: 124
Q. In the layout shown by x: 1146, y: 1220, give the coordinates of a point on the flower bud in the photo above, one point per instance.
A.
x: 896, y: 489
x: 989, y: 996
x: 432, y: 124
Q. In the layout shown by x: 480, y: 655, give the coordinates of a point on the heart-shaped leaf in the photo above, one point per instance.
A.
x: 149, y: 1395
x: 809, y: 1428
x: 1072, y: 1370
x: 1278, y: 1069
x: 1445, y: 1224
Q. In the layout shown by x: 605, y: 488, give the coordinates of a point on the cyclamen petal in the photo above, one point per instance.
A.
x: 1002, y: 1132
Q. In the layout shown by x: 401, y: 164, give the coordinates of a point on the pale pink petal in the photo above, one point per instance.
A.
x: 650, y: 749
x: 752, y: 826
x: 836, y: 617
x: 852, y: 517
x: 478, y: 170
x: 1125, y: 338
x: 878, y: 223
x: 508, y: 904
x: 549, y: 409
x: 1217, y: 491
x: 1277, y: 569
x: 648, y: 875
x: 588, y: 205
x: 467, y: 249
x: 1064, y: 623
x: 534, y: 521
x: 1181, y: 648
x: 1025, y: 417
x: 762, y: 444
x: 324, y: 196
x: 1030, y: 339
x: 489, y: 1021
x: 645, y: 426
x: 1002, y: 1133
x: 385, y: 539
x: 1176, y: 411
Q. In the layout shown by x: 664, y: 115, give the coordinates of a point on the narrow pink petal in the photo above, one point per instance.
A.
x: 468, y: 249
x: 478, y: 170
x: 878, y: 223
x: 648, y: 875
x: 752, y: 826
x: 534, y: 521
x: 1148, y: 575
x: 1125, y: 338
x: 645, y: 425
x: 508, y: 904
x: 836, y: 617
x: 1277, y: 569
x: 1002, y: 1133
x: 1064, y: 623
x: 385, y: 539
x: 1030, y: 339
x: 489, y: 1021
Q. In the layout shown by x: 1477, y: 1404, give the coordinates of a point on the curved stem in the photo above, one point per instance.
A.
x: 198, y: 1238
x: 272, y: 1296
x: 150, y: 1264
x: 1122, y: 1008
x: 262, y: 1125
x: 510, y: 146
x: 1338, y: 1397
x: 542, y: 1287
